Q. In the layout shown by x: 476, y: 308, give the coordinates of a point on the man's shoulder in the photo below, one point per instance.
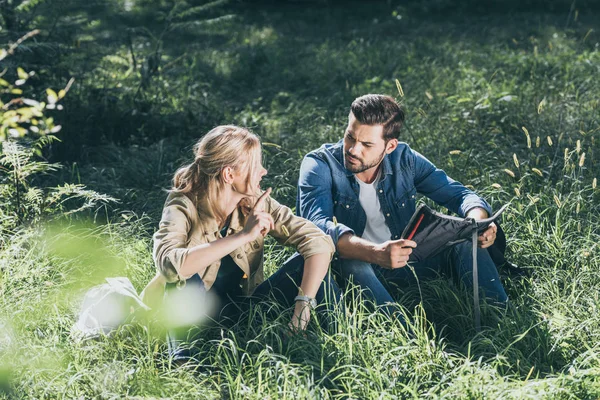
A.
x: 329, y: 153
x: 326, y: 149
x: 402, y: 154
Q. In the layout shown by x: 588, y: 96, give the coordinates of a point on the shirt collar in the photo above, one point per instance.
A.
x: 210, y: 225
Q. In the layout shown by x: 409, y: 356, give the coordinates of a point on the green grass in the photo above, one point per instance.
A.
x: 471, y: 83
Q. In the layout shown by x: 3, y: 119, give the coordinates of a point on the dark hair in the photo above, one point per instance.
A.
x: 377, y: 109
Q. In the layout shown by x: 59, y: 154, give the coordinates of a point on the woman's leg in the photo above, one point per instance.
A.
x: 188, y: 309
x: 283, y: 286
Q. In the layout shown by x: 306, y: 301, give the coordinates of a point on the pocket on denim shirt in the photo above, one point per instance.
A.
x: 341, y: 203
x: 408, y: 200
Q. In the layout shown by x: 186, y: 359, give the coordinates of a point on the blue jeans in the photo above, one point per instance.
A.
x: 375, y: 280
x: 281, y: 287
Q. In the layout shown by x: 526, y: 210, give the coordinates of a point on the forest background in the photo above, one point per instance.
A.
x: 102, y: 100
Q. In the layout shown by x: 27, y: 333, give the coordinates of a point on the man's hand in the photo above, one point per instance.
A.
x: 394, y: 253
x: 487, y: 238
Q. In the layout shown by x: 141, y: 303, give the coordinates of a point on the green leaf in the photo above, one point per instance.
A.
x: 22, y: 74
x: 52, y: 96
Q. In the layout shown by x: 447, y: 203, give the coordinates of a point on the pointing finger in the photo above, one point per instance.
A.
x: 260, y: 203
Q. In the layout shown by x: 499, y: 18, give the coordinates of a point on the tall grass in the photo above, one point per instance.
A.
x: 479, y: 92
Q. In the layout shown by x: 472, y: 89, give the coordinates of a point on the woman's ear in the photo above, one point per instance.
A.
x: 227, y: 175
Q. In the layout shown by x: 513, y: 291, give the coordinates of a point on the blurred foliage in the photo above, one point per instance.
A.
x: 126, y: 76
x: 24, y: 133
x: 502, y: 95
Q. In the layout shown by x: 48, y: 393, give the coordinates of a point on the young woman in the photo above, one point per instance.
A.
x: 212, y: 230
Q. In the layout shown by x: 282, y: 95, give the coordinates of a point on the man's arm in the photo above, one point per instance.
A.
x: 391, y: 254
x: 315, y: 201
x: 435, y: 184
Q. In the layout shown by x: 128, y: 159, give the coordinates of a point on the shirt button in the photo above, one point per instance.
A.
x: 380, y: 190
x: 256, y: 246
x: 387, y: 215
x: 239, y: 256
x: 412, y: 197
x: 402, y: 204
x: 335, y: 202
x: 347, y: 206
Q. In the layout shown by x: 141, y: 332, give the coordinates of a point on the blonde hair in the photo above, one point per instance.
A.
x: 224, y: 146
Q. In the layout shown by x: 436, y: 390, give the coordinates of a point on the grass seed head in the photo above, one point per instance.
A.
x: 533, y: 199
x: 549, y: 139
x: 496, y: 186
x: 582, y: 160
x: 516, y: 160
x: 537, y: 142
x: 557, y: 201
x: 527, y: 136
x: 509, y: 172
x: 566, y: 156
x: 537, y: 171
x: 455, y: 152
x: 594, y: 183
x: 517, y: 192
x: 578, y: 148
x: 541, y: 106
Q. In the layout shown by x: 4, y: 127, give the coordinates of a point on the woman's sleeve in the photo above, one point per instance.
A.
x: 291, y: 230
x: 171, y: 240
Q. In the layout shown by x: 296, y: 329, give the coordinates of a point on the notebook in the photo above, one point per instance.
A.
x: 434, y: 232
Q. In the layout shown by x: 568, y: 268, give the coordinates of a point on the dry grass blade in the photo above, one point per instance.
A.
x: 399, y: 87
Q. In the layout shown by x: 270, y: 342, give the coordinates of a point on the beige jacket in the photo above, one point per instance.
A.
x: 183, y: 226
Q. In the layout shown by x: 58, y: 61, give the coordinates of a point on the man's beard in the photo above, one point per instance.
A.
x: 361, y: 167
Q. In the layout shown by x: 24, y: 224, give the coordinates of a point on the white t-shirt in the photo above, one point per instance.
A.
x: 376, y: 230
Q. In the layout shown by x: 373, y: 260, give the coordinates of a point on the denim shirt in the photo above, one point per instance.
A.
x: 328, y: 192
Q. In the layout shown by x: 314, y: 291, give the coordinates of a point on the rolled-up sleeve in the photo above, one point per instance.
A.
x: 315, y: 201
x: 435, y: 184
x: 291, y: 230
x: 171, y: 239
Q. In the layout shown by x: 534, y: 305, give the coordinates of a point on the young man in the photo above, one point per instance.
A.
x: 361, y: 191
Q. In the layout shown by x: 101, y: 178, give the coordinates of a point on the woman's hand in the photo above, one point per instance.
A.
x: 258, y: 221
x: 301, y: 316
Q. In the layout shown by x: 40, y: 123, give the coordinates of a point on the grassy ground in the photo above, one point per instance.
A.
x: 506, y: 102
